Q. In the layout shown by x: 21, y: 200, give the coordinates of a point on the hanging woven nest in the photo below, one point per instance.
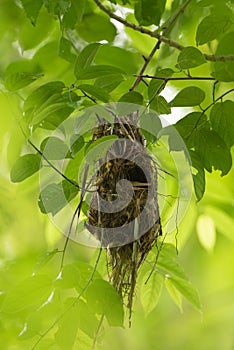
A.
x: 124, y: 213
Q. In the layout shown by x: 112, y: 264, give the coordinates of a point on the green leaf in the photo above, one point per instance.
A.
x: 150, y: 292
x: 189, y: 125
x: 224, y: 71
x: 103, y: 299
x: 54, y: 148
x: 78, y: 316
x: 118, y: 57
x: 45, y: 258
x: 25, y: 166
x: 56, y: 196
x: 98, y: 71
x: 86, y: 57
x: 190, y: 57
x: 19, y: 80
x: 95, y: 27
x: 32, y: 9
x: 198, y: 175
x: 189, y: 96
x: 76, y: 142
x: 49, y: 103
x: 132, y: 97
x: 76, y: 275
x: 167, y: 263
x: 65, y: 50
x: 95, y: 92
x: 98, y: 148
x: 21, y: 73
x: 222, y: 220
x: 31, y: 291
x: 187, y: 290
x: 157, y: 85
x: 174, y: 293
x: 160, y: 105
x: 211, y: 27
x: 150, y: 125
x: 212, y: 151
x: 74, y: 13
x: 109, y: 82
x: 222, y: 121
x: 206, y: 232
x: 149, y: 12
x: 29, y: 36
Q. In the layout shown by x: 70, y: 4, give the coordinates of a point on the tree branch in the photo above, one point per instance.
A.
x: 172, y: 43
x: 157, y: 46
x: 175, y: 78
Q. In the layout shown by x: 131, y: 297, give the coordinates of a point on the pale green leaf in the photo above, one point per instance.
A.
x: 31, y: 291
x: 206, y: 232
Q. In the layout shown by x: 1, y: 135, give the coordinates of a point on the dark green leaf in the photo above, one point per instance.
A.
x: 56, y: 196
x: 118, y: 57
x: 190, y: 57
x: 189, y: 96
x: 95, y: 92
x: 103, y: 299
x: 86, y: 57
x: 150, y: 126
x: 199, y: 179
x: 224, y: 71
x: 190, y: 124
x: 95, y: 27
x: 65, y: 50
x: 25, y: 166
x: 32, y: 291
x: 211, y: 27
x: 132, y: 97
x: 19, y: 80
x: 74, y: 13
x: 49, y: 103
x: 222, y: 120
x: 54, y: 148
x: 149, y: 12
x: 77, y: 142
x: 109, y: 82
x: 213, y: 151
x: 160, y: 105
x: 157, y: 85
x: 93, y: 72
x: 32, y: 9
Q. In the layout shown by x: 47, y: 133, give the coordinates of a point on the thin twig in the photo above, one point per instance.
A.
x: 172, y: 43
x: 97, y: 332
x: 166, y: 79
x: 157, y: 46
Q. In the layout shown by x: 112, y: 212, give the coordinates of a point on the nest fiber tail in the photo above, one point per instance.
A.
x: 124, y: 213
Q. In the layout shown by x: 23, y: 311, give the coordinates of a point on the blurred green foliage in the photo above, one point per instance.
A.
x: 45, y: 47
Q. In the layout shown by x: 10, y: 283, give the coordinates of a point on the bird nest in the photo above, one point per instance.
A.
x: 124, y: 214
